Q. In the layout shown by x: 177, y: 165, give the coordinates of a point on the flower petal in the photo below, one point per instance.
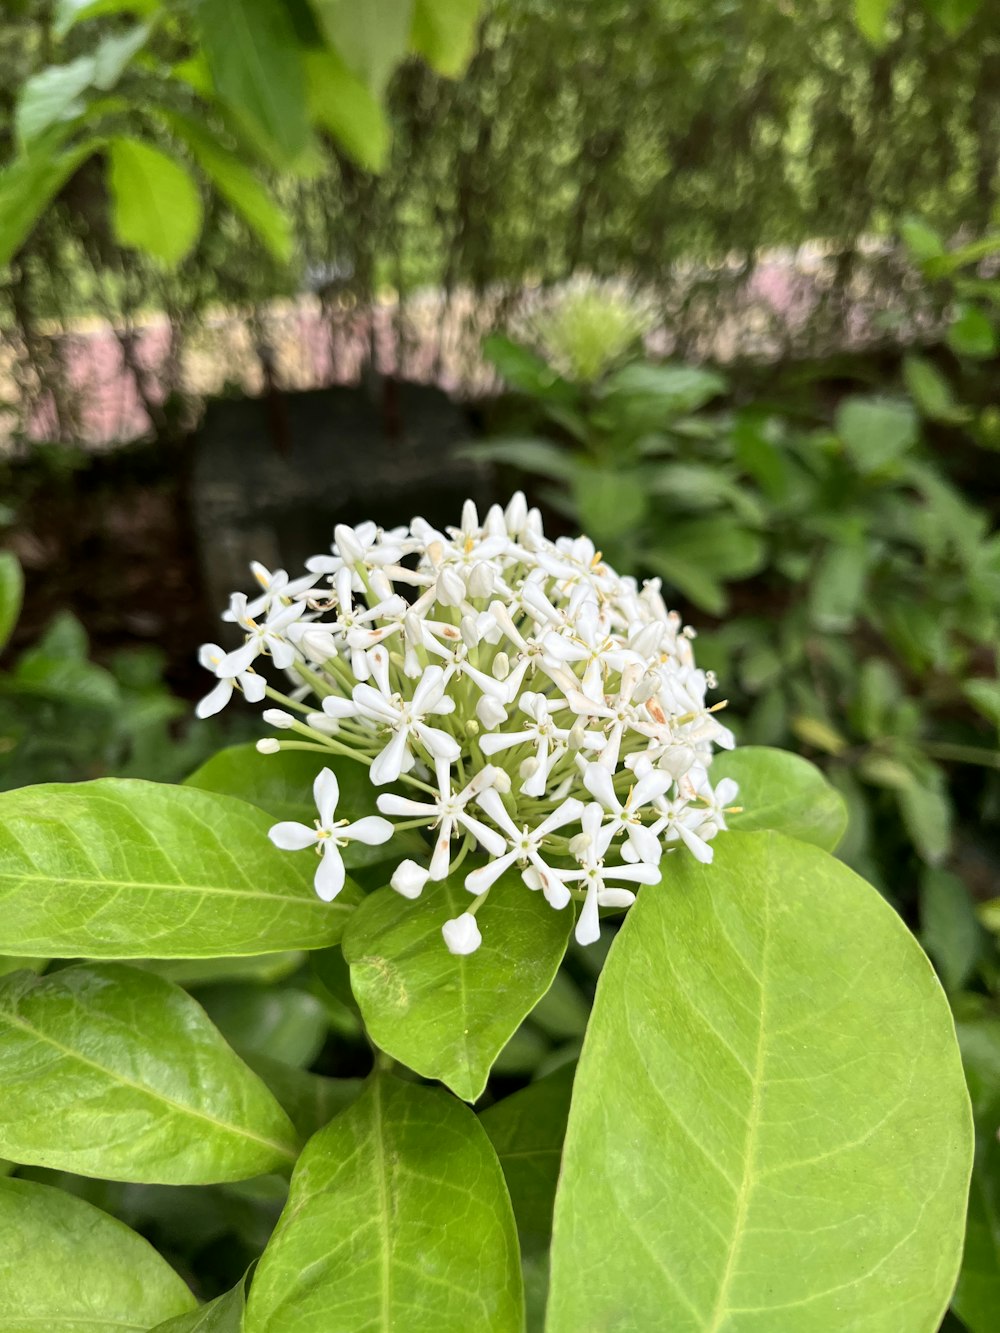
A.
x: 370, y: 830
x: 329, y: 879
x: 326, y: 794
x: 292, y: 837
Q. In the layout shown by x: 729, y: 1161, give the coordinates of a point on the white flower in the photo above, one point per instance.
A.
x: 593, y: 874
x: 213, y: 657
x: 329, y: 835
x: 523, y: 704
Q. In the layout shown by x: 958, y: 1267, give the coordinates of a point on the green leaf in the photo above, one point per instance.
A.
x: 972, y: 334
x: 769, y: 1115
x: 104, y: 1045
x: 282, y: 1022
x: 371, y: 38
x: 954, y: 15
x: 527, y: 455
x: 238, y: 186
x: 448, y: 1016
x: 926, y: 810
x: 30, y: 184
x: 876, y: 431
x: 281, y: 784
x: 66, y: 1267
x: 784, y: 792
x: 977, y: 1295
x: 931, y: 391
x: 654, y: 394
x: 342, y: 104
x: 310, y: 1100
x: 156, y: 205
x: 11, y: 594
x: 872, y: 17
x: 52, y: 96
x: 838, y: 585
x: 610, y: 504
x: 128, y: 869
x: 984, y: 695
x: 527, y: 1130
x: 256, y: 62
x: 70, y: 12
x: 444, y: 33
x: 397, y: 1218
x: 949, y: 928
x: 525, y: 371
x: 921, y: 239
x: 223, y: 1315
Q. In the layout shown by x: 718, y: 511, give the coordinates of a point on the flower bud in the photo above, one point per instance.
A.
x: 516, y: 513
x: 501, y: 666
x: 502, y: 781
x: 326, y: 726
x: 268, y: 745
x: 408, y: 879
x: 677, y: 761
x: 318, y: 645
x: 450, y: 588
x: 277, y: 718
x: 348, y: 545
x: 577, y: 735
x: 481, y: 581
x: 646, y: 688
x: 490, y: 711
x: 579, y: 844
x: 470, y: 632
x: 528, y: 768
x: 462, y: 934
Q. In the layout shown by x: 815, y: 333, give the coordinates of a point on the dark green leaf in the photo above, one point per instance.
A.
x: 972, y: 334
x: 658, y: 393
x: 448, y: 1016
x: 525, y: 370
x: 770, y: 1058
x: 839, y: 584
x: 277, y: 1021
x: 977, y: 1296
x: 984, y: 695
x: 223, y: 1315
x: 257, y: 66
x: 528, y: 455
x: 949, y: 928
x: 28, y: 185
x: 70, y: 12
x: 527, y: 1130
x: 156, y: 205
x: 111, y: 1071
x: 931, y: 391
x: 954, y: 15
x: 127, y: 869
x: 66, y: 1267
x: 926, y: 809
x: 397, y: 1218
x: 310, y: 1099
x: 784, y: 792
x: 610, y: 504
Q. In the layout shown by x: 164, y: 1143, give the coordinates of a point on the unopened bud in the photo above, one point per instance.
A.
x: 471, y: 727
x: 481, y: 581
x: 277, y: 718
x: 502, y: 781
x: 408, y: 879
x: 326, y: 726
x: 450, y: 588
x: 462, y: 934
x: 501, y: 666
x: 528, y: 767
x: 677, y: 761
x: 646, y: 688
x: 318, y: 645
x: 579, y: 845
x: 470, y: 631
x: 490, y: 711
x: 348, y: 545
x: 268, y: 745
x: 577, y: 735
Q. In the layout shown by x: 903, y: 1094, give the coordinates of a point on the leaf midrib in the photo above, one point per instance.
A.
x: 217, y: 889
x: 152, y: 1093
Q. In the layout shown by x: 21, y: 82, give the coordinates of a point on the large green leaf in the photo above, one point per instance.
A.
x: 111, y: 1071
x: 397, y: 1218
x: 282, y: 784
x: 223, y: 1315
x: 372, y: 38
x: 769, y: 1117
x: 66, y: 1267
x: 977, y: 1296
x: 11, y: 594
x: 129, y: 869
x: 784, y: 792
x: 444, y: 33
x: 256, y: 62
x: 527, y: 1130
x: 237, y: 184
x: 876, y: 431
x: 872, y: 17
x: 157, y: 207
x: 30, y: 183
x: 344, y: 105
x: 449, y: 1016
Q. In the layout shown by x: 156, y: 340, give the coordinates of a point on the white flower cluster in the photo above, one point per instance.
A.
x: 513, y: 695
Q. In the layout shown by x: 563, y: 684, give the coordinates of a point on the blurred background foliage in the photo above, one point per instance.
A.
x: 718, y: 281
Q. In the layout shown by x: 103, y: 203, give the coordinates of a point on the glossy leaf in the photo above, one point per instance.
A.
x: 447, y: 1016
x: 128, y: 869
x: 11, y: 594
x: 282, y: 783
x: 66, y: 1267
x: 527, y: 1130
x: 344, y: 105
x: 223, y: 1315
x: 784, y: 792
x: 99, y: 1046
x: 156, y: 205
x: 444, y: 33
x: 256, y: 63
x: 397, y: 1218
x: 769, y: 1117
